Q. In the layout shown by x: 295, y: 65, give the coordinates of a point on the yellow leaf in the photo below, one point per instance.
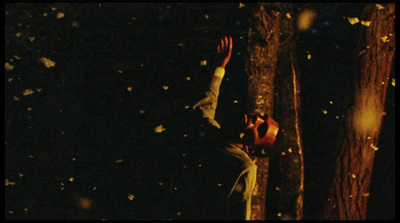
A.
x: 385, y: 39
x: 8, y: 66
x: 47, y: 62
x: 31, y: 38
x: 27, y: 92
x: 119, y: 161
x: 159, y: 129
x: 131, y: 196
x: 241, y: 5
x: 203, y: 63
x: 9, y: 183
x: 53, y: 8
x: 60, y: 15
x: 379, y: 6
x: 165, y: 87
x: 17, y: 34
x: 129, y: 88
x: 366, y: 23
x: 309, y: 56
x: 71, y: 179
x: 353, y: 20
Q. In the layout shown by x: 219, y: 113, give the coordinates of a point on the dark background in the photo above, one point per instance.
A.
x: 84, y: 119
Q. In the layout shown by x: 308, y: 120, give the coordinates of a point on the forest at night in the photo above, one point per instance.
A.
x: 99, y: 122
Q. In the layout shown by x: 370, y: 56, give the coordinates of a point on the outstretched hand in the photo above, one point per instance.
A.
x: 225, y: 49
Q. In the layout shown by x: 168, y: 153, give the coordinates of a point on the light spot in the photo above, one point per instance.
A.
x: 373, y: 147
x: 29, y: 109
x: 60, y: 15
x: 179, y: 213
x: 119, y: 161
x: 20, y: 174
x: 129, y: 89
x: 84, y: 203
x: 31, y: 38
x: 353, y: 176
x: 290, y: 150
x: 325, y: 112
x: 71, y: 179
x: 393, y: 82
x: 9, y: 183
x: 27, y: 92
x: 94, y: 188
x: 188, y: 78
x: 206, y: 16
x: 203, y: 63
x: 241, y: 5
x: 385, y: 39
x: 379, y: 6
x: 309, y: 56
x: 279, y: 214
x: 366, y: 113
x: 165, y: 87
x: 15, y: 98
x: 288, y: 16
x: 18, y: 34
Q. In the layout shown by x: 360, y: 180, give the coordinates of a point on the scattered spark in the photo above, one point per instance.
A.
x: 241, y: 135
x: 184, y: 154
x: 8, y: 66
x: 175, y: 188
x: 290, y: 150
x: 185, y: 135
x: 71, y: 179
x: 85, y: 203
x: 94, y: 188
x: 337, y: 117
x: 219, y: 185
x: 393, y: 82
x: 160, y: 183
x: 283, y: 153
x: 159, y: 129
x: 279, y: 214
x: 277, y: 188
x: 142, y: 111
x: 366, y: 23
x: 142, y: 65
x: 47, y: 62
x: 350, y: 195
x: 75, y: 24
x: 305, y: 20
x: 331, y: 102
x: 203, y: 63
x: 133, y: 18
x: 325, y: 112
x: 30, y: 156
x: 73, y: 159
x: 131, y: 197
x: 239, y: 188
x: 241, y: 5
x: 309, y: 56
x: 165, y: 87
x: 60, y: 110
x: 200, y: 165
x: 10, y: 212
x: 129, y: 88
x: 288, y: 15
x: 353, y: 20
x: 235, y: 101
x: 25, y: 209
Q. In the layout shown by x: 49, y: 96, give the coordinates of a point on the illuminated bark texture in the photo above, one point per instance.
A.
x: 358, y: 137
x: 286, y: 167
x: 268, y: 27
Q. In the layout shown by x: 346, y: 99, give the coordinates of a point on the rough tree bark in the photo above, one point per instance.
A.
x: 265, y: 36
x: 358, y: 137
x: 286, y: 167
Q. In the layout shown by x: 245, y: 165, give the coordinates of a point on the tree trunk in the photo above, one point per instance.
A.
x: 358, y: 137
x: 286, y: 168
x: 263, y: 44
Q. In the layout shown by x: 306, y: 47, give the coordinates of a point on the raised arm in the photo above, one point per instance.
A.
x: 208, y: 105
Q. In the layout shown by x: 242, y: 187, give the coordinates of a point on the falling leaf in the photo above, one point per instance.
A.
x: 17, y: 34
x: 325, y: 112
x: 45, y: 14
x: 353, y: 20
x: 47, y: 62
x: 120, y: 71
x: 206, y: 16
x: 53, y: 8
x: 10, y: 79
x: 38, y: 89
x: 29, y: 109
x: 241, y: 5
x: 165, y: 87
x: 288, y: 15
x: 179, y: 213
x: 119, y: 161
x: 366, y: 23
x: 27, y: 92
x: 17, y: 57
x: 129, y: 88
x: 235, y: 101
x: 373, y: 147
x: 305, y: 19
x: 159, y: 129
x: 353, y: 175
x: 131, y: 197
x: 393, y: 82
x: 71, y: 179
x: 21, y: 174
x: 9, y: 183
x: 385, y: 39
x: 31, y: 38
x: 142, y: 111
x: 187, y: 106
x: 94, y: 188
x: 25, y: 209
x: 188, y: 78
x: 290, y: 150
x: 203, y: 63
x: 8, y: 66
x: 379, y: 6
x: 309, y: 56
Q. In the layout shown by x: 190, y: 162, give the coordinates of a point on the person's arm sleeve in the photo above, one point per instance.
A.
x: 208, y: 104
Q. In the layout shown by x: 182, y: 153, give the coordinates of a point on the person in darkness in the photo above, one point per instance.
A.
x: 258, y: 132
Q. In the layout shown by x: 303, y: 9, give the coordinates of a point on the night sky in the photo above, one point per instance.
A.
x: 98, y: 116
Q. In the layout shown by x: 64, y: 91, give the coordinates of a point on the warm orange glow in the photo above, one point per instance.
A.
x: 367, y: 113
x: 305, y: 20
